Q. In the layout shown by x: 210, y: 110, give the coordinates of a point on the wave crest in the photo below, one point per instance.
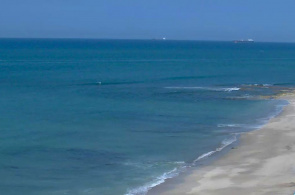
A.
x: 142, y: 190
x: 223, y: 145
x: 208, y: 88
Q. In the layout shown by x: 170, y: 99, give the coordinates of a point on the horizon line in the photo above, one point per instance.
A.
x: 143, y: 39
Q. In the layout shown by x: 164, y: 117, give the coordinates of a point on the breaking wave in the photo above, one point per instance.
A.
x: 207, y: 88
x: 223, y: 145
x: 142, y: 190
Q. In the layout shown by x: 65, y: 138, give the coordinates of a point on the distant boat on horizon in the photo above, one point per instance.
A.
x: 244, y: 41
x: 164, y: 38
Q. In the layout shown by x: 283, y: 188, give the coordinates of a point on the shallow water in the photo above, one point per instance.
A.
x: 119, y: 116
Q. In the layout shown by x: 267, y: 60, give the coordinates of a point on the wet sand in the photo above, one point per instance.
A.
x: 262, y: 164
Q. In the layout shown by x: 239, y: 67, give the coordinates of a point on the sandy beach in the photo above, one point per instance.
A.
x: 262, y: 164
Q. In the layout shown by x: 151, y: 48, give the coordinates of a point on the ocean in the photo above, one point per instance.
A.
x: 108, y: 117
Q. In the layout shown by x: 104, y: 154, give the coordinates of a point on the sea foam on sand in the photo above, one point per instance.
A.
x: 263, y: 164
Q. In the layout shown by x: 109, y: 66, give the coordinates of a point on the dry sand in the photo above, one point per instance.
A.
x: 263, y: 163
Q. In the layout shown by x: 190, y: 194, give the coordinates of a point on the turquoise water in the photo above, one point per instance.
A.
x: 119, y: 116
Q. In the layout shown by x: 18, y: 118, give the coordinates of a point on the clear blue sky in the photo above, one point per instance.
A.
x: 262, y: 20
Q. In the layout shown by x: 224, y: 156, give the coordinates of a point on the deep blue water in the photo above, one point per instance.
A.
x: 106, y: 117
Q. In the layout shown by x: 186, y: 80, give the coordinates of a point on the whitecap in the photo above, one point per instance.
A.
x: 231, y: 89
x: 207, y: 88
x: 230, y: 125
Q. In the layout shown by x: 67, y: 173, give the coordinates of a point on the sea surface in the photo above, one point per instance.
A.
x: 115, y: 117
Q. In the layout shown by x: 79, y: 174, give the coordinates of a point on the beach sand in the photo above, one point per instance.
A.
x: 262, y: 164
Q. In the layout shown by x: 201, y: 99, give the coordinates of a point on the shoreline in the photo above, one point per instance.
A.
x: 262, y: 163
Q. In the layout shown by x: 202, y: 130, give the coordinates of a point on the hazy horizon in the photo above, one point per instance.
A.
x: 152, y: 39
x: 263, y: 21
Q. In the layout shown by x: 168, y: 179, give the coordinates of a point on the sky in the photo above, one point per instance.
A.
x: 261, y: 20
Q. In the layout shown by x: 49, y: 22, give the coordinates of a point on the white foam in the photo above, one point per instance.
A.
x: 230, y: 125
x: 205, y: 155
x: 224, y: 144
x: 228, y: 141
x: 231, y: 89
x: 142, y: 190
x: 208, y: 88
x: 243, y: 126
